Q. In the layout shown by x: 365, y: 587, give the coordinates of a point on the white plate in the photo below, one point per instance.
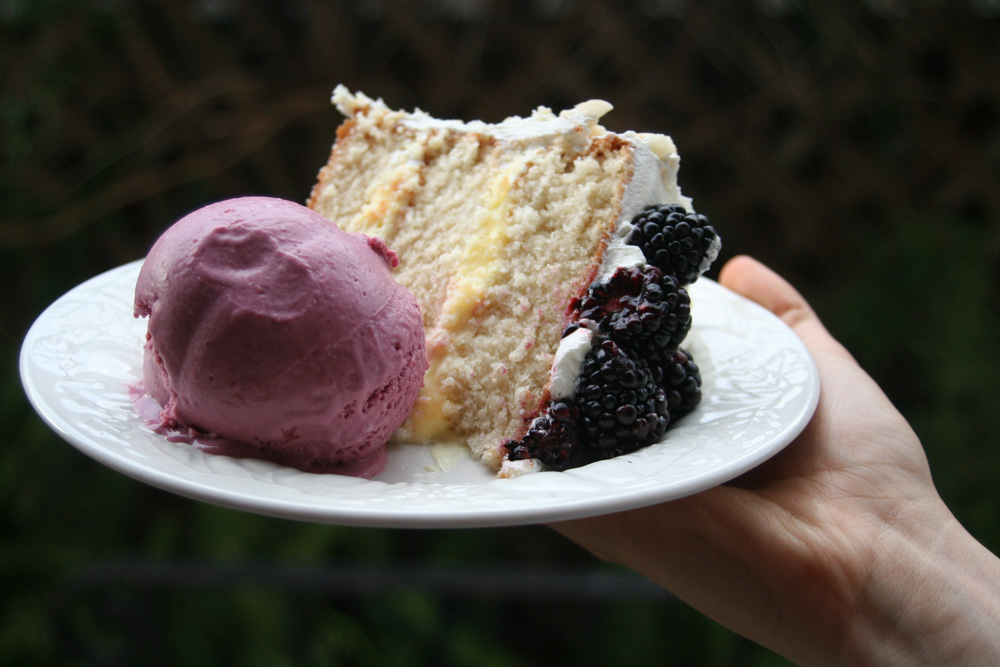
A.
x: 760, y: 389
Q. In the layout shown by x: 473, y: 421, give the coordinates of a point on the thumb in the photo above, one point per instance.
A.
x: 748, y: 277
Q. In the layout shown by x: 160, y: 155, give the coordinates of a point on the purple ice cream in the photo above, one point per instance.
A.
x: 273, y: 330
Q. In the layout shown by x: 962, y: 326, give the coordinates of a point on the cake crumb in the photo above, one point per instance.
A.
x: 511, y: 469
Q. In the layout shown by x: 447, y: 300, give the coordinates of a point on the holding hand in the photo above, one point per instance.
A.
x: 838, y: 550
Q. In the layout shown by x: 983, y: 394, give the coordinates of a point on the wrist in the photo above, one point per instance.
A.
x: 932, y: 596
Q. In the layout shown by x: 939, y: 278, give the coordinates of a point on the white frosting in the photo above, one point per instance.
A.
x: 569, y: 357
x: 711, y: 255
x: 572, y: 129
x: 654, y: 181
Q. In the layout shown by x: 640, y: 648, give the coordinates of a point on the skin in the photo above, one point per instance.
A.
x: 838, y: 550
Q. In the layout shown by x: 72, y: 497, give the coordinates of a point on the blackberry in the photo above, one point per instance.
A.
x: 638, y: 306
x: 682, y: 383
x: 621, y: 408
x: 551, y: 437
x: 679, y: 243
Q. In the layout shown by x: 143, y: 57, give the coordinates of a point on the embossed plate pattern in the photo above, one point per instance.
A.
x: 760, y: 389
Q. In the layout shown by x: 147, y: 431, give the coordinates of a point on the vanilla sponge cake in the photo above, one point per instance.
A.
x: 503, y: 232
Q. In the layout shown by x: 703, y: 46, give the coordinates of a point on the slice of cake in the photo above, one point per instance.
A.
x: 549, y: 331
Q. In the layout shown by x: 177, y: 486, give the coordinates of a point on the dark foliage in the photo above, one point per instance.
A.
x: 855, y: 147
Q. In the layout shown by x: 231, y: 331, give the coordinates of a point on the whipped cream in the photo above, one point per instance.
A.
x: 566, y: 364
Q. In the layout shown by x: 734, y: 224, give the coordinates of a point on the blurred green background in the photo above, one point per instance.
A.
x: 855, y: 147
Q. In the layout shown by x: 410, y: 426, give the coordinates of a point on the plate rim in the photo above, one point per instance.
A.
x: 406, y: 517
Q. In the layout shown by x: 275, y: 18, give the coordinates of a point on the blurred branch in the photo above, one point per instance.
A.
x: 247, y: 130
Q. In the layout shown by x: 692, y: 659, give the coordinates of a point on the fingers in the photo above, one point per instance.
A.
x: 748, y: 277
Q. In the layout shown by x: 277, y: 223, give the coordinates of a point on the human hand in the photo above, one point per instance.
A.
x: 838, y: 549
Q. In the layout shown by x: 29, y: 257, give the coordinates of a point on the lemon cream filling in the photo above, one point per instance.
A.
x: 477, y: 271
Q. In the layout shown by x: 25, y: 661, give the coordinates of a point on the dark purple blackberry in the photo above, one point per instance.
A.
x: 682, y: 383
x: 638, y: 307
x: 674, y: 240
x: 551, y: 438
x: 621, y: 408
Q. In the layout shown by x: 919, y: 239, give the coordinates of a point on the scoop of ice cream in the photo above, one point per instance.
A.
x: 271, y: 327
